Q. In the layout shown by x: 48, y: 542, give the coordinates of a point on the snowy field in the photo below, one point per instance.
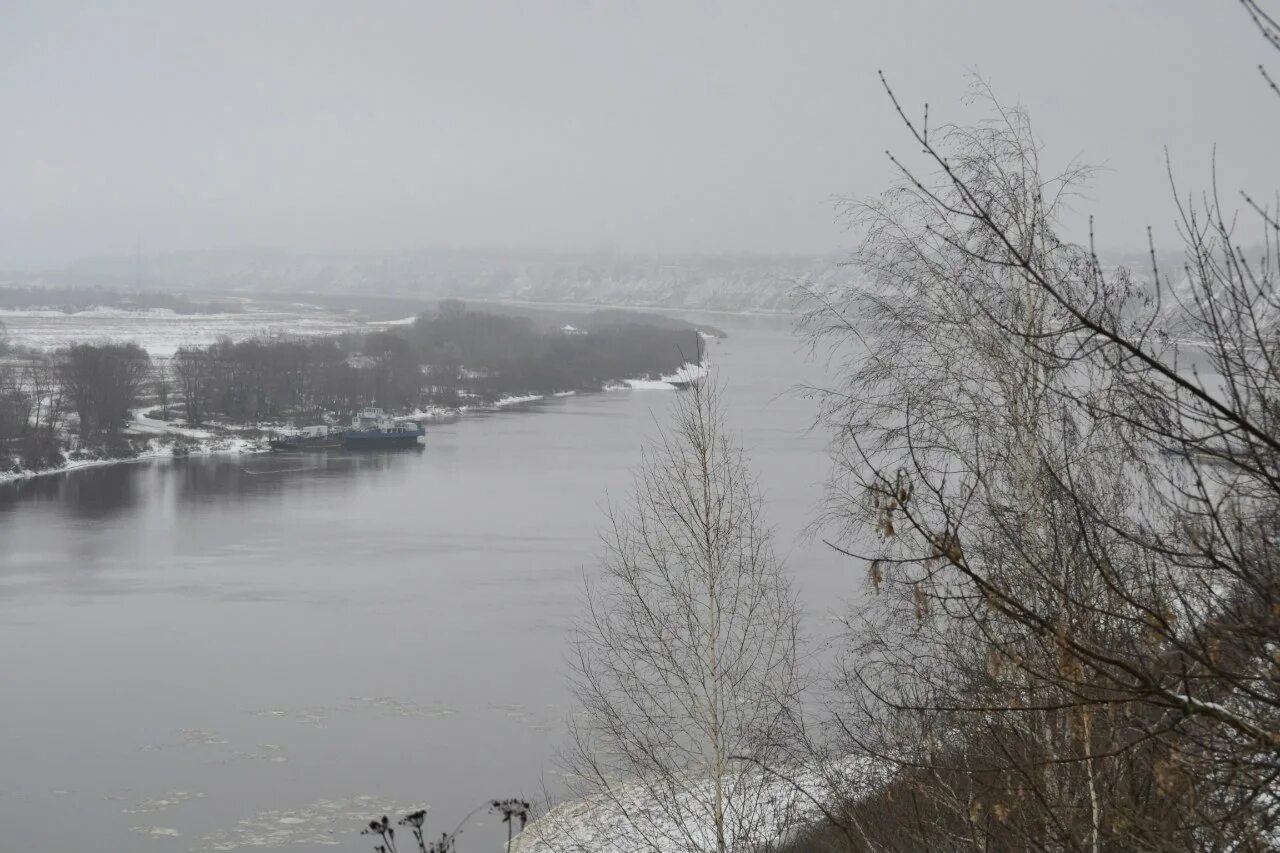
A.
x: 161, y: 332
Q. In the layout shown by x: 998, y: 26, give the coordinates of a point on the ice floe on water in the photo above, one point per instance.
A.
x: 163, y: 803
x: 202, y: 737
x: 271, y: 752
x: 390, y: 705
x: 306, y: 716
x: 322, y: 822
x: 399, y: 707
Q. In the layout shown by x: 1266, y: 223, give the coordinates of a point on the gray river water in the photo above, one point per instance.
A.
x: 243, y: 652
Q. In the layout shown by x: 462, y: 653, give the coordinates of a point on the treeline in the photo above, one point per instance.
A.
x: 97, y: 384
x: 447, y: 357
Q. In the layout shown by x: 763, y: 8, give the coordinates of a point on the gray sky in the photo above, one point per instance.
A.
x: 644, y: 126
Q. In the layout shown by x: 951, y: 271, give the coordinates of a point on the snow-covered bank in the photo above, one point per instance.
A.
x: 156, y: 449
x: 164, y: 440
x: 684, y: 375
x: 771, y: 809
x: 167, y: 440
x: 518, y: 400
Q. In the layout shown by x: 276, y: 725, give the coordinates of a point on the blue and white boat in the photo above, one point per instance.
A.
x: 373, y: 427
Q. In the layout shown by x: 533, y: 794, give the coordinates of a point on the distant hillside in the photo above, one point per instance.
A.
x: 723, y: 283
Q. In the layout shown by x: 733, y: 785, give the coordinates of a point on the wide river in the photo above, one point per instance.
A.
x: 242, y: 652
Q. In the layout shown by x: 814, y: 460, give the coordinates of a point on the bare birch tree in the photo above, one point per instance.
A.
x: 1063, y: 482
x: 686, y: 658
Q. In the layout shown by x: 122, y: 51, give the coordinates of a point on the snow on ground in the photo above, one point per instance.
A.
x: 156, y: 449
x: 648, y: 385
x: 403, y: 321
x: 518, y: 400
x: 168, y: 441
x: 160, y: 331
x: 632, y: 822
x: 683, y: 375
x: 142, y: 423
x: 688, y: 372
x: 433, y: 414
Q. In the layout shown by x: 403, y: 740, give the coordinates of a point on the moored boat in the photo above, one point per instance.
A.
x: 307, y: 438
x: 374, y: 428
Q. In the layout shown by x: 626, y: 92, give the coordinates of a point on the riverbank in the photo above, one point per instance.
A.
x: 156, y: 449
x: 166, y: 440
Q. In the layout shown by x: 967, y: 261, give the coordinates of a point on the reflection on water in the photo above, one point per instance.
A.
x: 101, y: 492
x: 212, y: 653
x: 94, y: 493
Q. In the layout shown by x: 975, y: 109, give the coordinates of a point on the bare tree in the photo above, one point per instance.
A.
x: 160, y: 382
x: 193, y: 372
x: 1063, y: 482
x: 686, y: 659
x: 15, y: 410
x: 102, y: 381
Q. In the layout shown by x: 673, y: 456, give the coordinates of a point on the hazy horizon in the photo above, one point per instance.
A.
x: 629, y: 129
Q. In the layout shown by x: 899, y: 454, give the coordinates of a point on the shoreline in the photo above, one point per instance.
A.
x: 227, y: 444
x: 243, y: 447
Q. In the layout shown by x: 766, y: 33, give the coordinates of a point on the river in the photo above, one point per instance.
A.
x: 242, y: 652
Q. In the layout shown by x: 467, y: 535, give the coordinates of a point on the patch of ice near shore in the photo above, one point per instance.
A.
x: 516, y: 401
x: 329, y: 823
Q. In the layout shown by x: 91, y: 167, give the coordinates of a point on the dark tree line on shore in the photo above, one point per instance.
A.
x: 95, y: 383
x: 445, y: 358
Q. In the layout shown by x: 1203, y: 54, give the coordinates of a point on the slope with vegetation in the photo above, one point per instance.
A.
x: 1063, y: 490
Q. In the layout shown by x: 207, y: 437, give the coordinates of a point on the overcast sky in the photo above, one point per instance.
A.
x: 645, y: 126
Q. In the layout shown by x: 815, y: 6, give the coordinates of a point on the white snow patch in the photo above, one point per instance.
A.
x: 207, y: 447
x: 683, y: 375
x: 630, y: 821
x: 516, y: 401
x: 649, y: 385
x: 688, y: 372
